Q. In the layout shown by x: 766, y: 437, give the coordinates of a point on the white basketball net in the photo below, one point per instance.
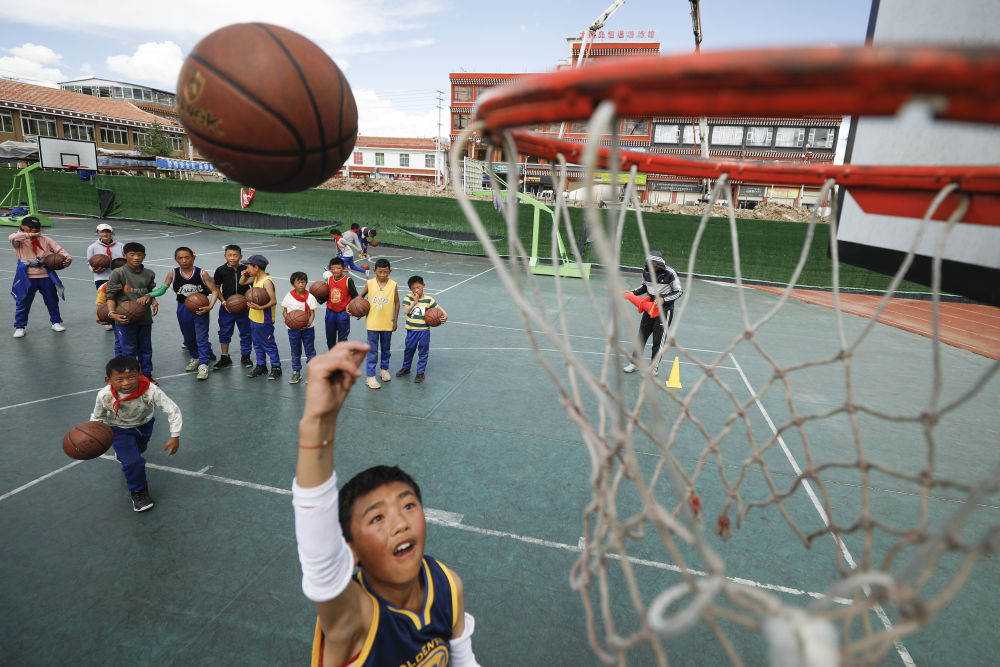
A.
x: 899, y: 564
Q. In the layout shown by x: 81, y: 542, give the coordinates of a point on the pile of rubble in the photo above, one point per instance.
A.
x: 388, y: 186
x: 763, y: 211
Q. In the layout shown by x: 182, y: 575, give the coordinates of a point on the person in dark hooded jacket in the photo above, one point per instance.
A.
x: 660, y: 283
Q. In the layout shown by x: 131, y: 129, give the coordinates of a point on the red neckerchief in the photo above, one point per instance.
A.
x: 139, y: 391
x: 36, y: 245
x: 107, y: 248
x: 303, y: 299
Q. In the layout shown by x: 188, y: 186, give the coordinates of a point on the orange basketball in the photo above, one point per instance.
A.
x: 358, y: 307
x: 130, y: 310
x: 237, y: 303
x: 321, y: 290
x: 102, y: 314
x: 365, y: 267
x: 118, y: 262
x: 432, y: 316
x: 296, y: 319
x: 54, y: 261
x: 99, y: 262
x: 88, y: 440
x: 257, y: 296
x: 268, y: 107
x: 195, y: 301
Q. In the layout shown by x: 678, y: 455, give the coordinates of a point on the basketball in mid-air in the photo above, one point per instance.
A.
x: 267, y: 107
x: 88, y: 440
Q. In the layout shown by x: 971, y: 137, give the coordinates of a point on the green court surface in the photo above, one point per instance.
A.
x: 210, y: 576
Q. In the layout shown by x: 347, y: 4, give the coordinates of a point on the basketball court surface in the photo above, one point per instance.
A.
x: 210, y: 576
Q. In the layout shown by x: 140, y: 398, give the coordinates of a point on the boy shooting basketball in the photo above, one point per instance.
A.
x: 382, y: 317
x: 662, y: 286
x: 402, y: 607
x: 418, y: 334
x: 127, y: 404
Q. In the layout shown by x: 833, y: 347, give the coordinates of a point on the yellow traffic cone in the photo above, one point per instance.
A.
x: 674, y: 381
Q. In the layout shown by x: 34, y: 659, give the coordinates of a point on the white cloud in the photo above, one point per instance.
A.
x: 32, y: 63
x: 378, y: 118
x: 155, y: 62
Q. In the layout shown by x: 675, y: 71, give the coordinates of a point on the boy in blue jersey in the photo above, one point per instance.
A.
x: 401, y: 607
x: 418, y: 333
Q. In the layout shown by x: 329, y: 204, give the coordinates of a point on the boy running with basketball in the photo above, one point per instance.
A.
x: 662, y: 285
x: 299, y: 298
x: 402, y: 607
x: 186, y: 280
x: 262, y: 318
x: 227, y: 281
x: 382, y: 316
x: 134, y: 282
x: 349, y: 246
x: 418, y: 334
x: 342, y: 290
x: 31, y: 276
x: 127, y: 404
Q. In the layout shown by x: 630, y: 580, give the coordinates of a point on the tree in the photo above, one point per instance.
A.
x: 157, y: 142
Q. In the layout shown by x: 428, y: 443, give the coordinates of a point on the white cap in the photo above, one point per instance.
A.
x: 104, y: 227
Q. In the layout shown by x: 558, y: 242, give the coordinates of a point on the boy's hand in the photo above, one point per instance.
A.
x: 144, y: 299
x: 171, y: 447
x: 156, y: 307
x: 69, y: 260
x: 444, y: 317
x: 331, y: 377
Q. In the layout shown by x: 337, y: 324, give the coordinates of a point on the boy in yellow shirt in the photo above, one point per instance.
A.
x: 382, y: 316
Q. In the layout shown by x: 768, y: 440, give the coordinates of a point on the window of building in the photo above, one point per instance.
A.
x: 666, y: 134
x: 578, y: 127
x: 790, y: 137
x: 404, y: 159
x: 379, y: 159
x: 632, y: 127
x: 114, y: 134
x: 139, y: 138
x: 429, y: 161
x: 480, y: 90
x: 177, y: 143
x: 727, y: 135
x: 821, y: 137
x: 759, y: 136
x: 6, y: 122
x: 42, y: 126
x: 359, y: 157
x: 460, y: 121
x: 76, y: 130
x: 461, y: 93
x: 692, y: 135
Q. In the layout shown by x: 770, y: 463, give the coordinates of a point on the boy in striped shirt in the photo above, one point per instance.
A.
x: 418, y: 334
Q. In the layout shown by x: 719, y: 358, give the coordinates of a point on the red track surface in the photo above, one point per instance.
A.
x: 968, y: 326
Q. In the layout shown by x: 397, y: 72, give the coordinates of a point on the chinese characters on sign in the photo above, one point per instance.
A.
x: 625, y: 34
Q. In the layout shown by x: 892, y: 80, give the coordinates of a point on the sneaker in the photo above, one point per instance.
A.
x: 192, y: 365
x: 656, y: 369
x: 246, y: 361
x: 385, y: 375
x: 631, y: 368
x: 225, y: 361
x: 203, y: 371
x: 58, y: 327
x: 296, y: 376
x: 419, y: 377
x: 211, y: 355
x: 372, y: 382
x: 257, y: 371
x: 108, y: 327
x: 402, y: 372
x: 183, y: 346
x: 275, y: 373
x: 141, y: 500
x: 18, y: 333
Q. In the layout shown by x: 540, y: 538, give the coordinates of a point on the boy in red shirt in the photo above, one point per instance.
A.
x: 342, y: 290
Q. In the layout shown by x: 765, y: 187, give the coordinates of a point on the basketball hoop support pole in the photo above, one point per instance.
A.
x: 23, y: 189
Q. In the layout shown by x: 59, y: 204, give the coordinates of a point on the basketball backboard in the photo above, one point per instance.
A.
x: 61, y: 153
x: 972, y: 253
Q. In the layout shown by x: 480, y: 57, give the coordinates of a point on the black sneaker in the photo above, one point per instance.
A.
x: 257, y: 371
x: 245, y: 360
x: 419, y: 377
x: 141, y: 500
x: 225, y: 361
x: 402, y: 372
x: 275, y: 373
x: 211, y: 355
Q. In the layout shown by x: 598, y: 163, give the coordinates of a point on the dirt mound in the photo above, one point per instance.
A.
x: 763, y: 211
x: 387, y: 186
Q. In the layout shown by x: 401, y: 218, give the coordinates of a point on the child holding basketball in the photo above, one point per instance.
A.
x: 104, y: 245
x: 418, y: 334
x: 102, y: 298
x: 227, y: 282
x: 186, y: 280
x: 31, y: 276
x: 342, y: 290
x: 382, y: 316
x: 402, y: 607
x: 262, y: 318
x: 127, y: 404
x: 299, y: 298
x: 134, y: 282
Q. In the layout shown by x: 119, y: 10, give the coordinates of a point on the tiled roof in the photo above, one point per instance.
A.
x: 395, y: 142
x: 39, y: 99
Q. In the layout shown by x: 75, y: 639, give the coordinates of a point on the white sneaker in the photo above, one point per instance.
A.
x: 202, y: 371
x: 656, y: 369
x: 18, y: 333
x: 192, y: 365
x: 372, y: 382
x: 384, y: 374
x: 58, y: 327
x: 631, y: 368
x: 109, y: 327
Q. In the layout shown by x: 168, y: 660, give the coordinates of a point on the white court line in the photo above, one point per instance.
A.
x: 904, y: 654
x: 442, y: 518
x: 466, y: 280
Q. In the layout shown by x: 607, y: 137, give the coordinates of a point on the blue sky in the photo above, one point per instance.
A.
x: 395, y: 54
